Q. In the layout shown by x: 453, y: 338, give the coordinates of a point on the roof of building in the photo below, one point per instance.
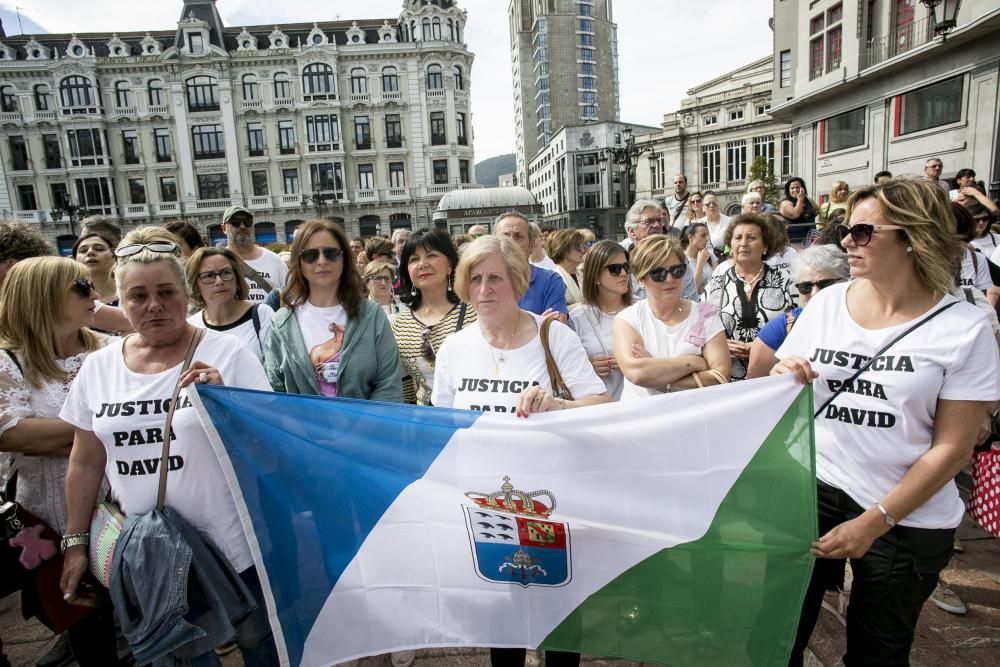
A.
x: 511, y: 197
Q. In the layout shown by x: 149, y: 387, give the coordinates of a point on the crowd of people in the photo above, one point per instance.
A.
x: 691, y: 298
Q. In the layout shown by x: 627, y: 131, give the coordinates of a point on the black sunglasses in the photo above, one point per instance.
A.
x: 616, y: 269
x: 83, y: 287
x: 426, y: 348
x: 806, y: 287
x: 861, y: 233
x: 659, y: 274
x: 241, y: 221
x: 311, y: 255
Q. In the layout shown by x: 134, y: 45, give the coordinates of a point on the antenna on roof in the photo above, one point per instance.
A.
x: 18, y: 10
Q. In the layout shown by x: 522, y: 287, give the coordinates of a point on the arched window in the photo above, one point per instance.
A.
x: 359, y: 81
x: 123, y: 95
x: 43, y: 97
x: 250, y: 89
x: 202, y: 93
x: 413, y: 31
x: 8, y: 99
x: 75, y: 91
x: 155, y: 96
x: 390, y: 80
x: 459, y: 78
x: 436, y: 28
x: 317, y: 79
x: 282, y: 86
x: 451, y: 30
x: 458, y: 31
x: 426, y: 25
x: 435, y: 81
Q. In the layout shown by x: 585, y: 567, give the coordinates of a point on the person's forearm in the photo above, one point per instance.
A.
x: 37, y: 435
x: 985, y: 201
x: 596, y: 399
x: 83, y: 481
x: 653, y: 373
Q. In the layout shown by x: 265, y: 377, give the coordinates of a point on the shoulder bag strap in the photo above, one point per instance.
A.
x: 559, y: 387
x: 161, y: 493
x: 13, y: 357
x: 461, y: 316
x: 257, y: 279
x: 255, y: 316
x: 878, y: 354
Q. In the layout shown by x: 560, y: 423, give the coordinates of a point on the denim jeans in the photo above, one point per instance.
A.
x: 891, y: 583
x: 253, y: 635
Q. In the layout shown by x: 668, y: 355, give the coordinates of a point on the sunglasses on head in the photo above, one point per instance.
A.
x: 83, y: 287
x: 133, y: 248
x: 616, y: 269
x: 861, y: 233
x: 806, y: 287
x: 426, y: 348
x: 659, y: 274
x: 311, y: 255
x: 241, y: 222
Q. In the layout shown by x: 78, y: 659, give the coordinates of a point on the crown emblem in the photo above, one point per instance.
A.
x: 509, y: 499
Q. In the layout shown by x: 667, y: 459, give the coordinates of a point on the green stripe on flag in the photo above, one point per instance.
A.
x: 731, y: 597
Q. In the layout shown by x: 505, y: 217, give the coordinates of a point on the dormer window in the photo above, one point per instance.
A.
x: 196, y: 42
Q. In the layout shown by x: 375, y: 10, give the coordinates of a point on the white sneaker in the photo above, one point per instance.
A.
x: 946, y: 599
x: 402, y: 658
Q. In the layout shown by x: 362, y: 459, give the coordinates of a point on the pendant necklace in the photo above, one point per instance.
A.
x: 497, y: 362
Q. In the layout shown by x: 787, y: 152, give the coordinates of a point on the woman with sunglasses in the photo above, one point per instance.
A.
x: 694, y: 211
x: 797, y: 209
x: 750, y: 292
x: 428, y: 259
x: 379, y: 277
x: 565, y: 248
x: 606, y: 293
x: 216, y: 283
x: 328, y: 339
x: 814, y: 269
x: 48, y: 307
x: 666, y: 343
x: 118, y: 405
x: 889, y: 444
x: 701, y: 260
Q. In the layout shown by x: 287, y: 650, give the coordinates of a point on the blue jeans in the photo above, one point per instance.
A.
x: 253, y: 635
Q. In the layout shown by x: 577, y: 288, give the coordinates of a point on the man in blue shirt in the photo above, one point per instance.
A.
x: 546, y: 290
x: 646, y: 218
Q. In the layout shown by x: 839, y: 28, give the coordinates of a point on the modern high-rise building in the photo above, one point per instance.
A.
x: 564, y: 62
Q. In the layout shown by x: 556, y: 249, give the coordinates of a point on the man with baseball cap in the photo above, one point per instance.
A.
x: 266, y: 270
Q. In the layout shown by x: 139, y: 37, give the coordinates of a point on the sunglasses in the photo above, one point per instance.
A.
x: 133, y: 248
x: 861, y: 233
x: 208, y: 277
x: 311, y: 255
x: 426, y: 348
x: 806, y: 287
x: 695, y: 201
x: 616, y: 269
x: 83, y: 287
x: 711, y: 203
x: 241, y: 222
x: 659, y: 274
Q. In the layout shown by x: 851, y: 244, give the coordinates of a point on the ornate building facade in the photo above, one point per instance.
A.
x: 367, y: 122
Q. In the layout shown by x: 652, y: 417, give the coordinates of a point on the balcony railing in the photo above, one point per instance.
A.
x: 45, y: 115
x: 251, y: 104
x: 11, y: 116
x: 397, y: 193
x: 431, y: 94
x: 28, y: 216
x: 366, y: 196
x: 284, y: 102
x: 289, y: 201
x: 391, y: 97
x: 136, y: 211
x: 359, y: 97
x: 168, y: 208
x: 124, y: 111
x: 209, y: 204
x: 161, y: 109
x: 260, y: 203
x: 900, y: 40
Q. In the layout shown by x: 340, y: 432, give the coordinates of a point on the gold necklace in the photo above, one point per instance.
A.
x: 497, y: 362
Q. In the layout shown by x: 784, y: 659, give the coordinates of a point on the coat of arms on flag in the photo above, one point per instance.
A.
x: 513, y: 539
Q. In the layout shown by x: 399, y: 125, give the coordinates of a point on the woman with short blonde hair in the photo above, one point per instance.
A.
x: 566, y: 249
x: 839, y: 192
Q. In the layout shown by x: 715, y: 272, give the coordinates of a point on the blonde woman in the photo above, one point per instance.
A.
x: 566, y: 249
x: 379, y: 277
x: 760, y: 188
x: 837, y: 201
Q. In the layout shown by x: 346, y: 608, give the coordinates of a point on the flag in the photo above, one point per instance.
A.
x: 673, y: 529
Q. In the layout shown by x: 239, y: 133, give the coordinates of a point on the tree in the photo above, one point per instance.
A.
x: 761, y: 170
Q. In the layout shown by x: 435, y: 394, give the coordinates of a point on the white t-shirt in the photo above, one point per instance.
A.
x: 271, y: 268
x: 664, y: 341
x: 127, y: 411
x: 872, y: 433
x: 546, y: 263
x: 975, y: 274
x: 322, y: 341
x: 243, y: 328
x: 594, y: 329
x: 784, y: 260
x: 469, y: 373
x: 717, y: 236
x: 987, y: 243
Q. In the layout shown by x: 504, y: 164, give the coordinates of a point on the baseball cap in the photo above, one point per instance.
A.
x: 233, y: 210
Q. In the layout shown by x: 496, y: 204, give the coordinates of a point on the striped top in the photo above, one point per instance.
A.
x: 409, y: 332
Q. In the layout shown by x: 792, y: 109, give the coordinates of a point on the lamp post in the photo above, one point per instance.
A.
x: 71, y: 211
x: 948, y: 14
x: 319, y: 199
x: 627, y: 156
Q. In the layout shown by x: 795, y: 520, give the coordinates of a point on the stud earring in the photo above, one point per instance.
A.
x: 909, y: 248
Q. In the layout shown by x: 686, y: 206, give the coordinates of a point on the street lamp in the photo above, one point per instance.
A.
x: 627, y: 156
x: 319, y: 199
x: 949, y: 14
x: 71, y: 211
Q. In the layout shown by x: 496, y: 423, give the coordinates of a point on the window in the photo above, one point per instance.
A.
x: 710, y: 119
x: 786, y: 153
x: 208, y: 142
x: 60, y: 195
x: 255, y: 139
x: 816, y: 24
x: 290, y: 181
x: 286, y: 137
x: 196, y: 42
x: 710, y: 167
x: 359, y: 81
x: 130, y: 147
x: 436, y: 28
x: 586, y: 25
x: 834, y: 14
x: 587, y: 54
x: 168, y: 189
x: 786, y: 68
x: 460, y: 122
x: 251, y: 90
x: 438, y: 136
x: 137, y: 190
x: 589, y: 112
x: 463, y: 171
x: 154, y: 94
x: 584, y: 10
x: 75, y: 91
x: 94, y: 194
x: 18, y: 153
x: 397, y: 178
x: 833, y: 37
x: 43, y: 98
x: 764, y: 147
x: 26, y: 198
x: 843, y: 131
x: 587, y: 82
x: 213, y: 186
x: 326, y: 176
x: 85, y: 147
x: 425, y: 26
x: 282, y: 86
x: 53, y: 153
x: 587, y: 68
x: 931, y: 106
x: 393, y: 131
x: 588, y: 97
x: 459, y: 77
x: 586, y: 200
x: 164, y: 149
x: 736, y: 115
x: 816, y: 58
x: 8, y: 99
x: 440, y: 168
x: 123, y: 96
x: 317, y: 82
x: 322, y: 133
x: 736, y: 160
x: 586, y: 40
x: 763, y: 109
x: 435, y: 80
x: 202, y: 93
x: 390, y: 80
x: 362, y: 133
x: 366, y: 177
x: 258, y: 181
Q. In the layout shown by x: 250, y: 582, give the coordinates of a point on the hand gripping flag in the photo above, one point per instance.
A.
x: 674, y: 529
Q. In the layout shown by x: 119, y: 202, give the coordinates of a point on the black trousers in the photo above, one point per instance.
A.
x: 891, y: 583
x: 514, y: 657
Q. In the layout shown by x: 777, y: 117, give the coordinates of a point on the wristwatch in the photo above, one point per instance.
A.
x: 889, y: 520
x: 74, y: 540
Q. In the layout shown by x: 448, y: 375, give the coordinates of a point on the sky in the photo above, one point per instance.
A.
x: 666, y: 47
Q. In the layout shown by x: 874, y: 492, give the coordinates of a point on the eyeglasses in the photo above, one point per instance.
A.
x: 861, y: 233
x: 649, y: 222
x: 382, y: 280
x: 807, y: 286
x: 426, y: 348
x: 616, y: 269
x: 133, y: 248
x: 240, y: 221
x: 659, y: 274
x: 208, y: 277
x: 311, y: 255
x: 83, y: 287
